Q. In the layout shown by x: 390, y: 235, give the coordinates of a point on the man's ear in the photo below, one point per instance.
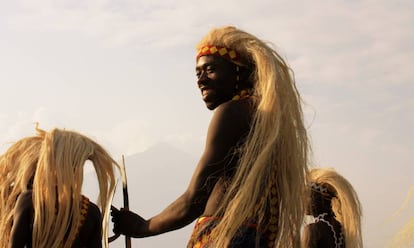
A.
x: 246, y: 76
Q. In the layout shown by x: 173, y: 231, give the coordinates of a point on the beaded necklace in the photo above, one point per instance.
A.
x: 273, y: 218
x: 243, y: 94
x: 84, y: 205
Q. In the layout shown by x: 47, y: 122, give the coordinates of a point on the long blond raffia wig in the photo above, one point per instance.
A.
x: 51, y: 163
x: 17, y: 168
x: 404, y: 237
x: 345, y: 204
x: 275, y: 151
x: 58, y: 182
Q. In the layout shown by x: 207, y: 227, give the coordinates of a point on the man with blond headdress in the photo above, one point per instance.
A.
x: 247, y: 188
x: 48, y: 209
x: 17, y: 169
x: 337, y: 211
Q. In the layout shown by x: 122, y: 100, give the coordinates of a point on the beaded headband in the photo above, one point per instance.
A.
x: 322, y: 189
x: 224, y: 52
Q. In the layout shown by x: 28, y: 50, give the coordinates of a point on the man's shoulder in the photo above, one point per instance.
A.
x: 26, y: 196
x: 93, y: 209
x: 236, y: 108
x: 24, y: 202
x: 233, y: 117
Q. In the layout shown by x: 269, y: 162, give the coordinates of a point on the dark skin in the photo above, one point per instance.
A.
x: 320, y: 234
x: 228, y: 127
x: 89, y: 235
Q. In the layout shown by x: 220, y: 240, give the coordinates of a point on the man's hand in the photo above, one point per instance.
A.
x: 128, y: 223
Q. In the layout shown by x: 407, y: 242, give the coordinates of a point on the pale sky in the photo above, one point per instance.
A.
x: 123, y: 73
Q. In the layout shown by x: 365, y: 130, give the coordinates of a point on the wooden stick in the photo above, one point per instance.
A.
x: 126, y: 198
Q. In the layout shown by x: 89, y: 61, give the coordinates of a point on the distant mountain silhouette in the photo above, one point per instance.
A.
x: 156, y: 177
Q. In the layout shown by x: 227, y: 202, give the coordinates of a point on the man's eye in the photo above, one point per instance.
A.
x: 210, y: 69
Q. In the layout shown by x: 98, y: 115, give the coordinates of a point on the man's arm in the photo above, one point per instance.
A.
x: 310, y: 236
x: 227, y: 127
x: 95, y: 218
x: 318, y: 235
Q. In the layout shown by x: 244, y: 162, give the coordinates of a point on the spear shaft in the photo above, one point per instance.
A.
x: 126, y: 198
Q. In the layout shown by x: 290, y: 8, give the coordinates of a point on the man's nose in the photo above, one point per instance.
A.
x: 202, y: 78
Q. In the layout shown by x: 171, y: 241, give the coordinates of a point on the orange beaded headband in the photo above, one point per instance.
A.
x: 224, y: 52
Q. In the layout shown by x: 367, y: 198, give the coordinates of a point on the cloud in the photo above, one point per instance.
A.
x: 186, y: 142
x: 117, y: 24
x: 355, y: 41
x: 127, y: 137
x: 340, y: 42
x: 14, y: 127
